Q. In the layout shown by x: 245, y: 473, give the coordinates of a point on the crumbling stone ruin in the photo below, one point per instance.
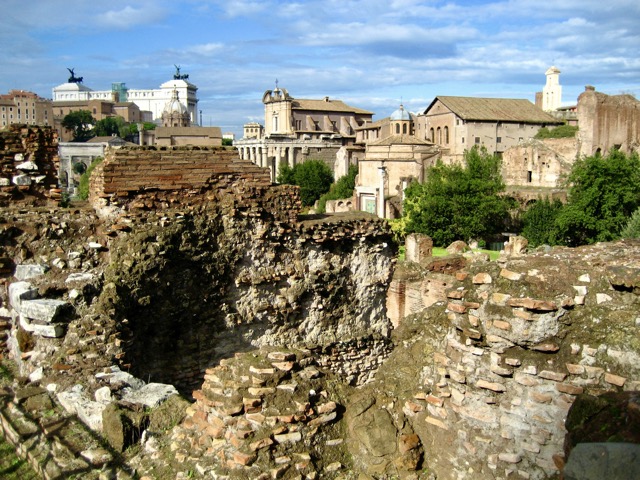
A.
x: 191, y: 324
x: 28, y: 164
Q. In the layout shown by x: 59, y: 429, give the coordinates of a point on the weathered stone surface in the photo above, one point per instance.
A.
x: 44, y: 309
x: 596, y: 461
x: 151, y: 395
x: 29, y: 271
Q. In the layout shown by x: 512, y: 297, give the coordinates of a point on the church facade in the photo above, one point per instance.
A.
x: 296, y: 130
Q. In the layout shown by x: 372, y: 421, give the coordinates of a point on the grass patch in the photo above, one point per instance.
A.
x: 442, y: 252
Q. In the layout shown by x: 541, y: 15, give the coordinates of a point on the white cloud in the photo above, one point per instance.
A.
x: 129, y: 16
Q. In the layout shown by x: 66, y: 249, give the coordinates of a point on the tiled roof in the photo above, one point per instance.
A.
x: 327, y: 106
x: 495, y: 109
x: 401, y: 140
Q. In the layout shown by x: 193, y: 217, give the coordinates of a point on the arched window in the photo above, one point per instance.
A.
x: 397, y: 128
x: 404, y: 128
x: 446, y: 135
x: 439, y: 141
x: 433, y: 136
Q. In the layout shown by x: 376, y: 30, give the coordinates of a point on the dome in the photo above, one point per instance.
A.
x: 400, y: 114
x: 174, y: 106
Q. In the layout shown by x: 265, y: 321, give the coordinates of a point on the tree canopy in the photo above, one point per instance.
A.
x: 81, y: 123
x: 111, y: 126
x: 604, y: 191
x: 313, y: 177
x: 458, y: 202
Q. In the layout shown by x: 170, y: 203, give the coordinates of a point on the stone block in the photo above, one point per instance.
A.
x: 436, y: 422
x: 482, y: 278
x: 614, y: 379
x: 569, y: 389
x: 293, y: 437
x: 46, y: 310
x: 502, y: 371
x: 29, y: 271
x: 20, y: 291
x: 456, y: 307
x: 533, y: 304
x: 493, y: 386
x: 502, y: 325
x: 550, y: 375
x: 510, y: 457
x: 53, y: 330
x: 509, y: 275
x: 500, y: 298
x: 574, y: 369
x: 151, y: 395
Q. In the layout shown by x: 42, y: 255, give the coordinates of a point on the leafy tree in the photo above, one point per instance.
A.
x: 313, y: 177
x: 458, y: 202
x: 562, y: 131
x: 227, y: 142
x: 81, y: 123
x: 112, y: 126
x: 604, y: 192
x: 632, y: 230
x: 343, y: 188
x: 539, y: 222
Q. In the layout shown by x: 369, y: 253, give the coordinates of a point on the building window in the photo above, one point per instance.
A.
x: 477, y: 140
x: 433, y: 135
x: 439, y: 132
x: 333, y: 126
x: 404, y: 128
x: 462, y: 140
x: 446, y: 135
x: 529, y: 176
x: 498, y: 139
x: 397, y: 128
x: 298, y: 124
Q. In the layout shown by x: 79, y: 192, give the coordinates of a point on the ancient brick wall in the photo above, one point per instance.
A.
x: 539, y: 163
x: 152, y: 178
x: 607, y: 121
x: 28, y: 163
x: 511, y: 346
x: 132, y: 170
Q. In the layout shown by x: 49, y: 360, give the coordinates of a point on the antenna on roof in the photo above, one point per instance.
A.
x: 276, y: 83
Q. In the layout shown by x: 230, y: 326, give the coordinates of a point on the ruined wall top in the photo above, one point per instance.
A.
x: 156, y: 178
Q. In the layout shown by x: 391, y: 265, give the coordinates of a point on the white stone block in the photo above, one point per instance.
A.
x: 151, y: 395
x: 28, y: 166
x: 19, y: 292
x: 43, y: 309
x: 28, y: 271
x: 21, y: 180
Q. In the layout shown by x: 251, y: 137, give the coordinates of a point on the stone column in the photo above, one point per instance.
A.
x: 292, y: 157
x: 381, y: 191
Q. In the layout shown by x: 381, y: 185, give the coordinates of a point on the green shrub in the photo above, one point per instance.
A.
x: 539, y: 222
x: 313, y: 177
x: 632, y: 229
x: 83, y: 187
x: 563, y: 131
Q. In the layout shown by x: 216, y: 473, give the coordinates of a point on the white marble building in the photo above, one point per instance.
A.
x: 152, y: 101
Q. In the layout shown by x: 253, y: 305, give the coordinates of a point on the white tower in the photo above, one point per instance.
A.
x: 552, y: 91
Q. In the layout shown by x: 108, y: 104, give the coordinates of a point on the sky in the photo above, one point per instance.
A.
x: 372, y: 54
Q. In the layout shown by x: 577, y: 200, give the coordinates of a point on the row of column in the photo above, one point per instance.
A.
x: 260, y: 156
